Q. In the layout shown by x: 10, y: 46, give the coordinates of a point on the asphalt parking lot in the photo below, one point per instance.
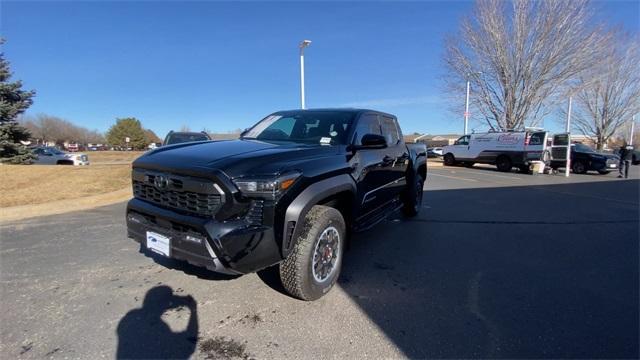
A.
x: 496, y: 266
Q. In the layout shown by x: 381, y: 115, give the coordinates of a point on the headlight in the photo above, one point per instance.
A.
x: 266, y: 187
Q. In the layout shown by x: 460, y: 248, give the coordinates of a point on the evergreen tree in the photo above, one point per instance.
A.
x: 13, y: 102
x: 127, y: 128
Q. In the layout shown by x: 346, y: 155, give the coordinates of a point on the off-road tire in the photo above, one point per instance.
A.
x: 449, y: 159
x: 295, y: 271
x: 413, y: 199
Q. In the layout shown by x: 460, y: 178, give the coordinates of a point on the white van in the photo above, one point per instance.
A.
x: 503, y: 149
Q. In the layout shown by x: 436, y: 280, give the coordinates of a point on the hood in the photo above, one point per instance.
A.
x: 233, y: 157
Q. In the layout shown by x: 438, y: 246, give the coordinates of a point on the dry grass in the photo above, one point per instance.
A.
x: 97, y: 157
x: 38, y: 184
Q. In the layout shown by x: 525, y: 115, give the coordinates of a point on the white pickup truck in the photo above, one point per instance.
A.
x: 52, y: 156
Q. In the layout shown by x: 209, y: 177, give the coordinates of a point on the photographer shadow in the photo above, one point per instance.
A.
x: 142, y: 334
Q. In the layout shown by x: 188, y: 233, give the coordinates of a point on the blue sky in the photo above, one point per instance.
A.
x: 223, y: 65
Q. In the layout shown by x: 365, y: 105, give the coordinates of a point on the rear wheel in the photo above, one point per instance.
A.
x: 449, y: 159
x: 503, y: 163
x: 579, y: 167
x: 413, y: 200
x: 314, y: 264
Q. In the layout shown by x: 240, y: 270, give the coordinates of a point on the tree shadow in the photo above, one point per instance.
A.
x: 520, y: 272
x: 174, y: 264
x: 142, y: 334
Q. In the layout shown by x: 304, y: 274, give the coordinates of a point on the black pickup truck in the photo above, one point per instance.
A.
x: 288, y: 192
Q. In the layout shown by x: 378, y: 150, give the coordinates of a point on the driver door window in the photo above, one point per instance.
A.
x: 464, y: 140
x: 368, y: 124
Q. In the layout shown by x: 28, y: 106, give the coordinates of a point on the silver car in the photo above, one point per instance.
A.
x: 52, y: 156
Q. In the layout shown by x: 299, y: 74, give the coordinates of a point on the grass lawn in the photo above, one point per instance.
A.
x: 38, y: 184
x: 97, y: 157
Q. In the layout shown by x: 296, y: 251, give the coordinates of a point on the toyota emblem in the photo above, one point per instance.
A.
x: 161, y: 182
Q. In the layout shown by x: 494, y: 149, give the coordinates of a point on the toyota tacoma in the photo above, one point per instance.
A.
x: 288, y: 192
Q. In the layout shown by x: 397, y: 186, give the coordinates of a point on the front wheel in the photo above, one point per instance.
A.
x: 314, y: 264
x: 579, y: 167
x: 413, y: 200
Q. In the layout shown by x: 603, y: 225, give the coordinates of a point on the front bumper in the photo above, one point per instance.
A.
x: 232, y: 247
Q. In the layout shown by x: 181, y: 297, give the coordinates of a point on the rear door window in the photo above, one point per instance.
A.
x: 390, y: 131
x: 537, y: 138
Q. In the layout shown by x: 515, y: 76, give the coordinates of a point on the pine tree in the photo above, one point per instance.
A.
x: 13, y: 102
x: 127, y: 128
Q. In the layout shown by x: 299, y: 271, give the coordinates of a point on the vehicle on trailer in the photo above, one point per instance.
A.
x: 584, y: 159
x: 505, y: 150
x: 434, y: 152
x: 46, y: 155
x: 288, y: 192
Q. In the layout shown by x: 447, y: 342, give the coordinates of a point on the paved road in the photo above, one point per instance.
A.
x: 497, y: 265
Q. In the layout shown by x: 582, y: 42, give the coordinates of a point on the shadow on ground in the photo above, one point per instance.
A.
x: 519, y: 272
x: 142, y: 334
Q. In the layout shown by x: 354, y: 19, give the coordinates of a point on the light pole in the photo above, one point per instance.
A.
x: 302, y: 45
x: 633, y: 123
x: 466, y: 103
x: 568, y: 155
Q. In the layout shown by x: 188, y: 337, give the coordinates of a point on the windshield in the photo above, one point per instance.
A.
x: 583, y: 148
x: 311, y: 127
x: 177, y: 138
x: 53, y: 151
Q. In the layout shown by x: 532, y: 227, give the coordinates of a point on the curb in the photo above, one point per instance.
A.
x: 23, y: 212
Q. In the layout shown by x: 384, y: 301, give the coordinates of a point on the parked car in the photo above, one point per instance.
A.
x: 584, y: 159
x: 503, y: 149
x: 174, y: 137
x: 51, y: 156
x: 288, y: 192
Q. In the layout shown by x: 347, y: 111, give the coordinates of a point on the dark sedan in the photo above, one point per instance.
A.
x: 584, y: 159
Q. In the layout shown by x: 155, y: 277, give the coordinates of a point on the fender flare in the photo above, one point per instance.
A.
x: 300, y: 206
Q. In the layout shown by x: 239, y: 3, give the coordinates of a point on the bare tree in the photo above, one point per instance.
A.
x: 610, y: 91
x: 521, y: 57
x: 46, y: 128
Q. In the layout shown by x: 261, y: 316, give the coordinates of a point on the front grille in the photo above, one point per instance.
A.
x: 559, y: 153
x: 190, y: 195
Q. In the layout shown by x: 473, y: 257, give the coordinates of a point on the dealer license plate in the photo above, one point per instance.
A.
x: 158, y: 243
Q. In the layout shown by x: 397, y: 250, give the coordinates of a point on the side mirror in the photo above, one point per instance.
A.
x: 372, y: 141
